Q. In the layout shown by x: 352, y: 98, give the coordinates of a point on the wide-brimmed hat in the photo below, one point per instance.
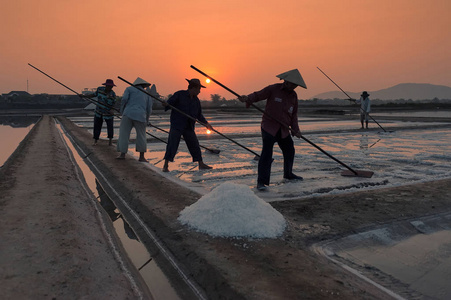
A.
x: 365, y: 94
x: 194, y: 81
x: 140, y: 81
x: 293, y: 76
x: 109, y: 82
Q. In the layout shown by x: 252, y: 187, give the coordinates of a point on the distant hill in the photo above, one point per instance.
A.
x: 414, y: 91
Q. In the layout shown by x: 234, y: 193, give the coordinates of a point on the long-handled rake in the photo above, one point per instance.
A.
x: 352, y: 100
x: 188, y: 116
x: 349, y: 172
x: 215, y: 151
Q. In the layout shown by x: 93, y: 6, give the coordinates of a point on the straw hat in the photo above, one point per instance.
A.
x: 293, y: 76
x: 195, y: 82
x: 140, y: 81
x: 109, y: 82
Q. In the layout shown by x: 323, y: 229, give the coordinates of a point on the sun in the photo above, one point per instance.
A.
x: 207, y: 80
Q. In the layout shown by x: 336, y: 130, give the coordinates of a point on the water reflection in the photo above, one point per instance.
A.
x: 365, y: 142
x: 113, y: 212
x: 373, y: 144
x: 18, y: 121
x: 13, y: 130
x: 422, y: 261
x: 158, y: 284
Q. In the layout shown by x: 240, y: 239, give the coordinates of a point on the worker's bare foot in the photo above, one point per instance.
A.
x: 141, y: 157
x: 203, y: 166
x: 166, y: 166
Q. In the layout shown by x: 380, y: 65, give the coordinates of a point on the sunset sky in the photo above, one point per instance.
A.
x: 360, y: 44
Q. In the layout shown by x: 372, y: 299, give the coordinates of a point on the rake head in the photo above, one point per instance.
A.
x: 358, y: 173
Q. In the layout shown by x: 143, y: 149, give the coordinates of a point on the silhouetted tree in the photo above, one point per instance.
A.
x: 215, y: 98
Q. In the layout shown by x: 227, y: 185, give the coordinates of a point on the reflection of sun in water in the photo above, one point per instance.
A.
x: 207, y: 80
x: 208, y: 131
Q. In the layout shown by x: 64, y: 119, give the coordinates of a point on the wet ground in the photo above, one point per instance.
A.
x: 415, y: 153
x: 407, y: 152
x: 398, y: 152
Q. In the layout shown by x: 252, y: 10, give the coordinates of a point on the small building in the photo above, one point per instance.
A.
x: 16, y: 94
x: 16, y: 97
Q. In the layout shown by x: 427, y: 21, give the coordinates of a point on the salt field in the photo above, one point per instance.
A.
x: 405, y: 153
x: 408, y: 152
x: 414, y: 153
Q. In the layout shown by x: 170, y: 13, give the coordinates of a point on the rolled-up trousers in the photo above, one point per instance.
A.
x: 265, y: 161
x: 124, y: 135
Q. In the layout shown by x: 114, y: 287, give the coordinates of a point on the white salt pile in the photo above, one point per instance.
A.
x: 233, y: 210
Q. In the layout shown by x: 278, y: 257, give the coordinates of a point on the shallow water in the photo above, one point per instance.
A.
x: 421, y: 262
x: 12, y: 131
x: 423, y: 114
x: 396, y: 158
x: 158, y: 283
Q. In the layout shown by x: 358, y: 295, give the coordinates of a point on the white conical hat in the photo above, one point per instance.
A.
x: 140, y: 81
x: 293, y: 76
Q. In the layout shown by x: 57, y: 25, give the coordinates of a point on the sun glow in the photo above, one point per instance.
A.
x: 207, y: 80
x: 208, y: 131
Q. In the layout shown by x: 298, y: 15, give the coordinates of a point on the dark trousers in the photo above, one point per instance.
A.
x: 265, y: 161
x: 98, y: 122
x: 191, y: 142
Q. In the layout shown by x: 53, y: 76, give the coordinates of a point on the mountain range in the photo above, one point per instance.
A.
x: 413, y: 91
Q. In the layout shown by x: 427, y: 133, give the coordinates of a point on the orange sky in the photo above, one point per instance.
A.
x: 360, y: 44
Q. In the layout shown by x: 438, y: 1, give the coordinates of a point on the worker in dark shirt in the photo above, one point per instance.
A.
x: 280, y: 118
x: 106, y: 98
x: 181, y: 125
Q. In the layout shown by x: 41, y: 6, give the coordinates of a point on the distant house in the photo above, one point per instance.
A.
x: 16, y: 94
x: 87, y: 91
x: 22, y: 99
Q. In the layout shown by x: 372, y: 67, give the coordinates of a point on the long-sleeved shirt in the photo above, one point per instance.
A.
x: 191, y: 106
x: 281, y: 105
x: 105, y: 101
x: 136, y: 105
x: 365, y: 104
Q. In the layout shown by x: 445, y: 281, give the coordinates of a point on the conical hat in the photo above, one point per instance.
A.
x: 153, y: 91
x: 293, y: 76
x: 140, y: 81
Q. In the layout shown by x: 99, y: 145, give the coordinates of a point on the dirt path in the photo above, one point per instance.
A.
x: 52, y: 242
x: 283, y: 268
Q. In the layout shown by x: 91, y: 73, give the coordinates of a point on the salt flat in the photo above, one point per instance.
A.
x: 407, y: 152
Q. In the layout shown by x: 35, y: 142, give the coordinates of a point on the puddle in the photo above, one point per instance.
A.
x: 157, y: 282
x: 399, y: 258
x: 422, y: 261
